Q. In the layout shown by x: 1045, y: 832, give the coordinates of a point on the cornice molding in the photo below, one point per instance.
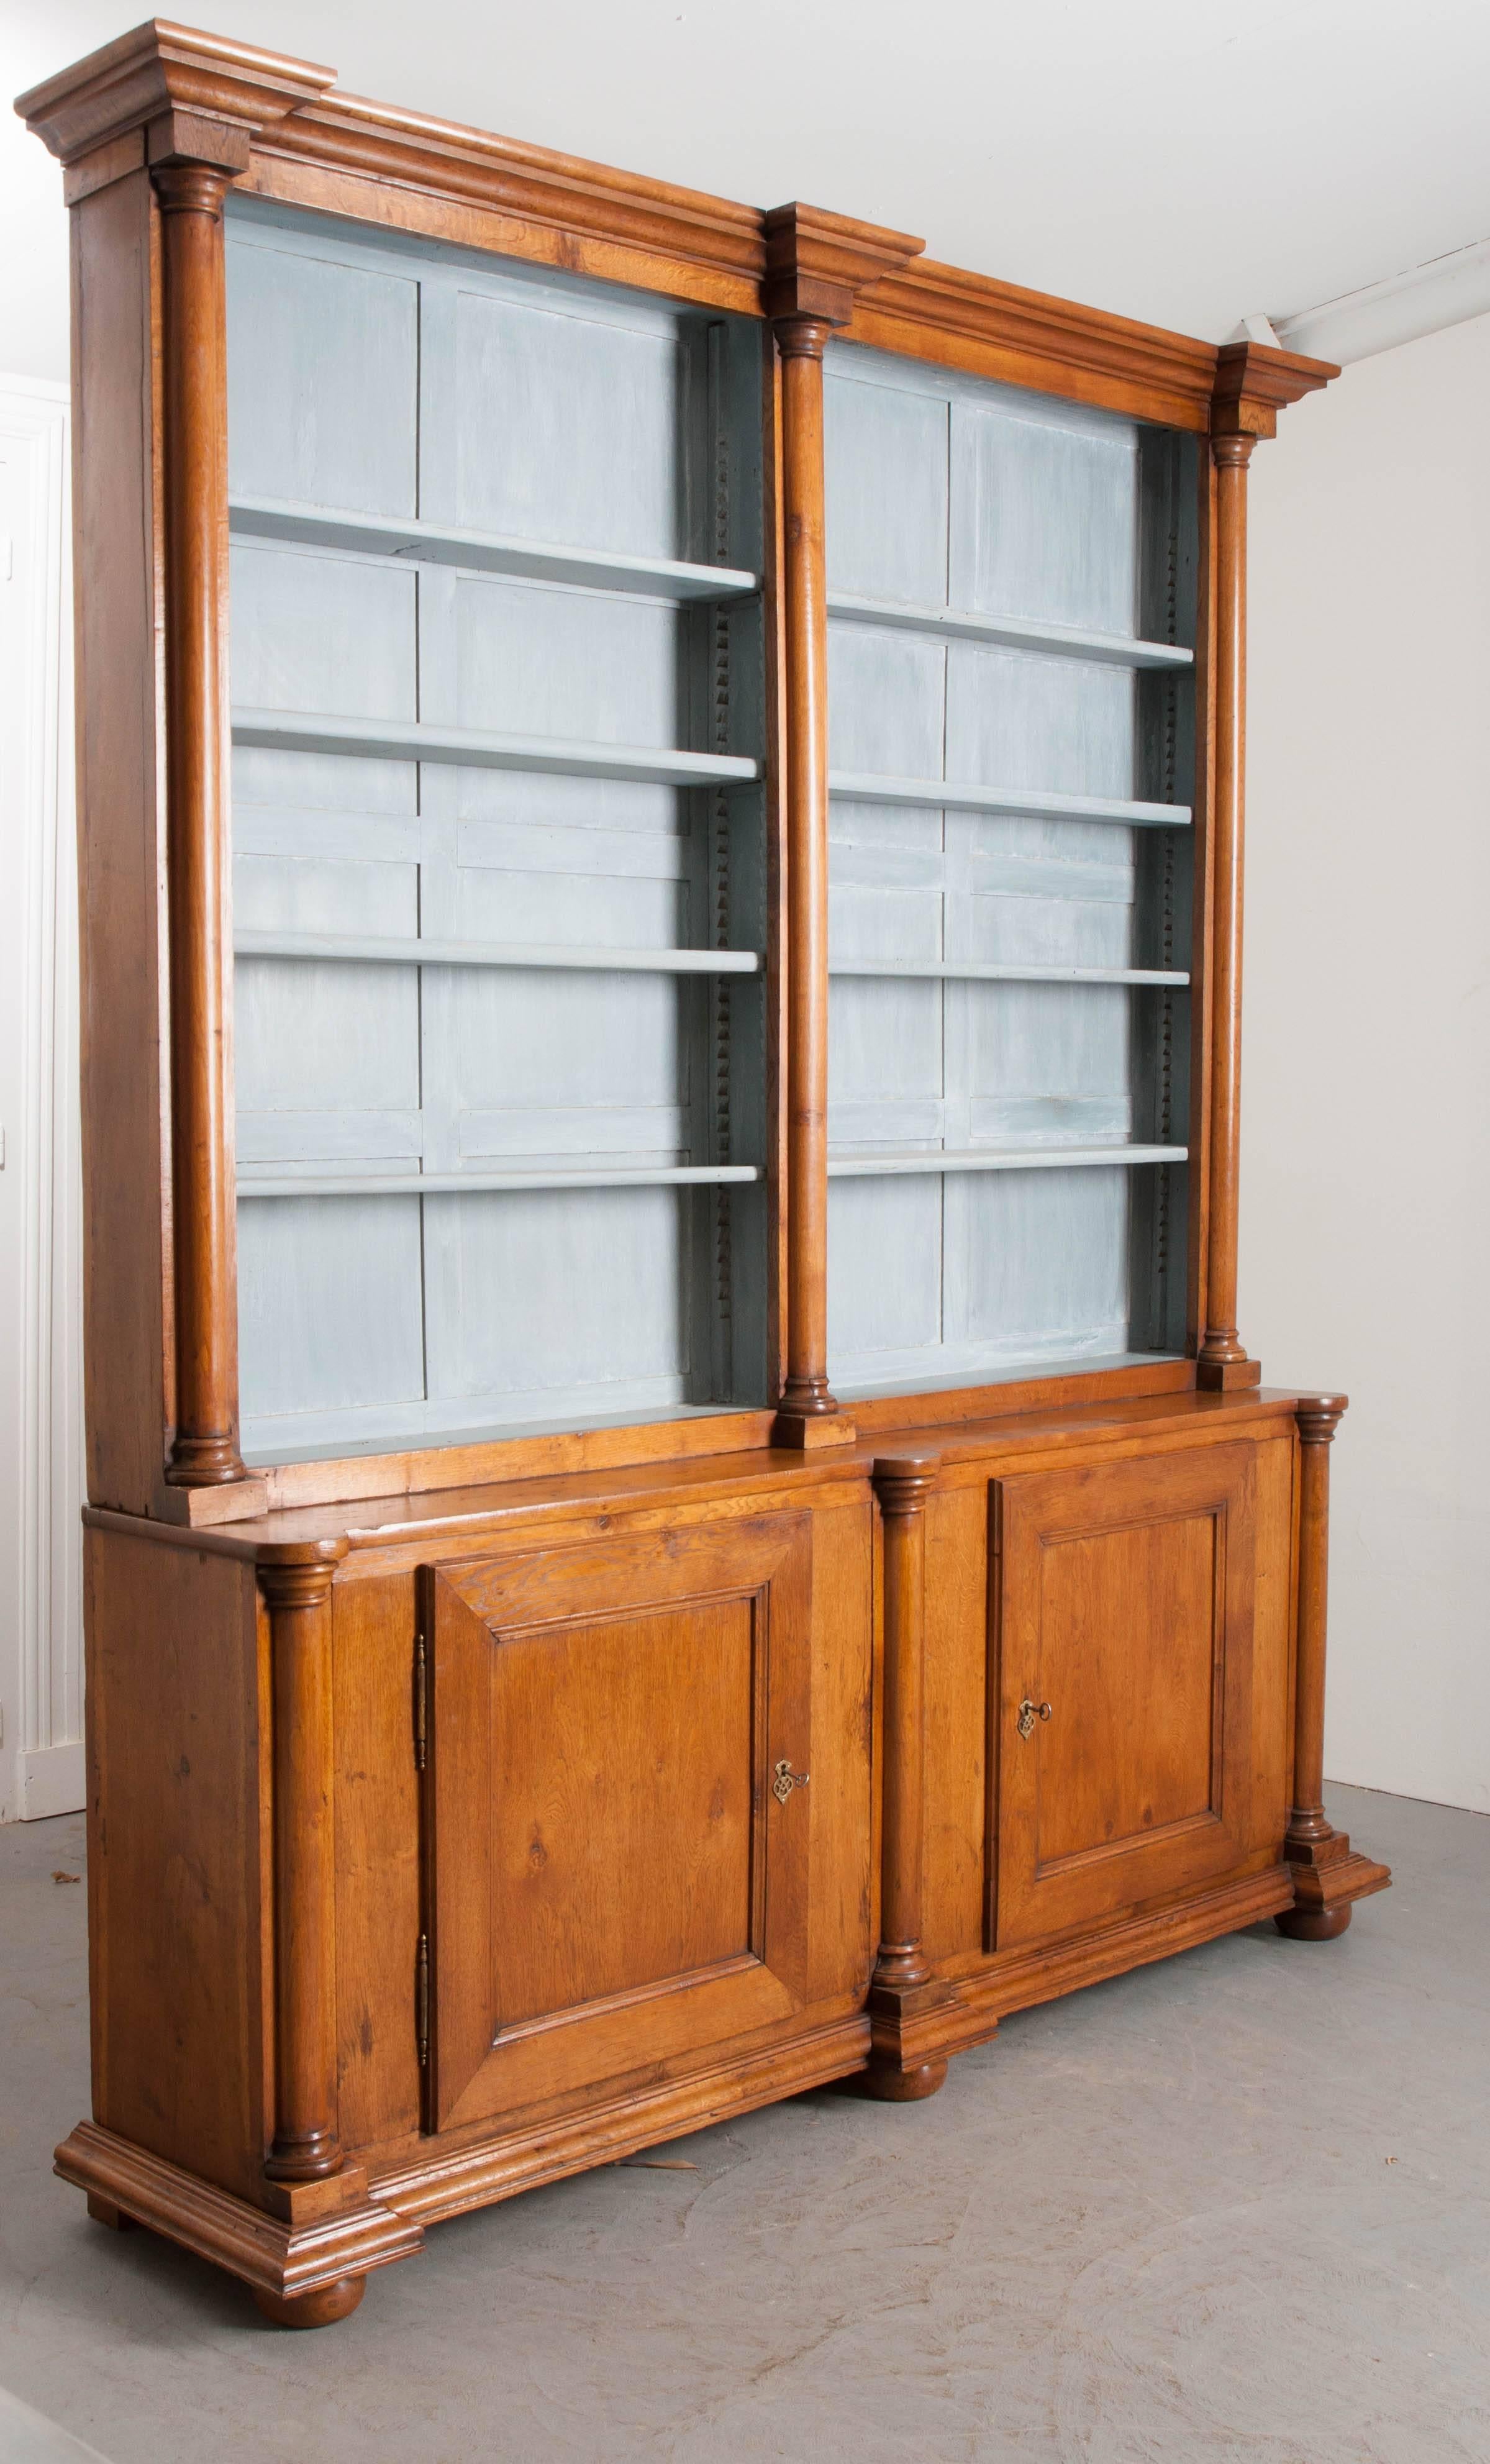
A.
x: 167, y: 93
x: 817, y: 262
x: 530, y: 184
x: 1029, y: 338
x: 161, y: 70
x: 1254, y: 383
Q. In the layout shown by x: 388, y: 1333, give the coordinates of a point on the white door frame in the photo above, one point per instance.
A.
x: 41, y: 1669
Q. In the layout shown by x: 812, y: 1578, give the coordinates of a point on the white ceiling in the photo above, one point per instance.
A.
x: 1184, y: 160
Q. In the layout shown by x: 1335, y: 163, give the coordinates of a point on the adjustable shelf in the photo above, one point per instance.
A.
x: 474, y: 748
x: 972, y: 972
x: 1009, y: 632
x: 461, y: 1184
x: 419, y: 542
x: 871, y: 1166
x: 590, y: 957
x: 870, y: 788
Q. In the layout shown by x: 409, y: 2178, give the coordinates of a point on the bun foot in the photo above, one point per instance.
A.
x: 322, y: 2308
x: 887, y: 2086
x: 103, y: 2212
x: 1313, y: 1924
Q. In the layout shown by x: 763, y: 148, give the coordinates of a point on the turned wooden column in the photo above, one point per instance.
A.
x: 815, y: 264
x: 194, y: 453
x: 801, y: 341
x: 904, y: 1995
x: 1253, y: 384
x: 1319, y: 1417
x: 297, y: 1593
x: 1328, y: 1877
x: 1223, y: 1359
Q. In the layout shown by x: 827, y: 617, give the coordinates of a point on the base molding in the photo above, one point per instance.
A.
x: 1022, y: 1979
x: 268, y: 2253
x: 448, y: 2182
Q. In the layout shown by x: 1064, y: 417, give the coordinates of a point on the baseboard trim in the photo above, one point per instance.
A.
x: 52, y: 1781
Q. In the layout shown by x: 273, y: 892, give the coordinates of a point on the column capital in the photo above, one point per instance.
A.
x: 180, y: 96
x: 903, y: 1482
x: 299, y: 1575
x: 1319, y: 1417
x: 1252, y: 384
x: 817, y: 264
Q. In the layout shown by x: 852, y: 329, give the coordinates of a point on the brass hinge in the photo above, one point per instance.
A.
x: 421, y: 1701
x: 421, y: 2000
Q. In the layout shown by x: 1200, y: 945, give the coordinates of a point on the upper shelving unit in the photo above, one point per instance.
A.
x: 419, y: 542
x: 1010, y: 645
x: 500, y: 868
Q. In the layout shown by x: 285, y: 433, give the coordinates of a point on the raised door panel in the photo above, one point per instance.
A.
x: 1125, y: 1600
x: 611, y: 1878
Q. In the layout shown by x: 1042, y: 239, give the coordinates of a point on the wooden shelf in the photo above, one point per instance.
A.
x: 1009, y: 632
x: 868, y: 1165
x: 418, y: 543
x: 590, y: 957
x: 471, y: 748
x: 953, y: 971
x: 872, y: 787
x: 463, y: 1184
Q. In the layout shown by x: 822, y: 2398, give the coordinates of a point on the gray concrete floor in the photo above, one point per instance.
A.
x: 1234, y: 2207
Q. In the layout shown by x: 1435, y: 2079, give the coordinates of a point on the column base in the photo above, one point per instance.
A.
x: 804, y: 1430
x: 1328, y: 1878
x: 305, y: 2267
x: 1224, y: 1376
x: 908, y: 2030
x: 203, y: 1462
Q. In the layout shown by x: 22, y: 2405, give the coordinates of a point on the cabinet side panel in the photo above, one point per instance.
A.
x: 120, y: 813
x: 176, y: 1915
x: 956, y: 1719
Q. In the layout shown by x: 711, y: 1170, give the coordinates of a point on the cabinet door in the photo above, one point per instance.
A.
x: 616, y: 1873
x: 1123, y: 1595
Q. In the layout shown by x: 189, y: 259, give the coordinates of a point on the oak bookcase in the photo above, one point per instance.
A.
x: 677, y: 1510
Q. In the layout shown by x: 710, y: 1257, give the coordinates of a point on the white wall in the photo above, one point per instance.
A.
x: 41, y: 1757
x: 1365, y: 1095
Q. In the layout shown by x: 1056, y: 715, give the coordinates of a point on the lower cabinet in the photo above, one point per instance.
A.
x: 1122, y: 1599
x: 616, y: 1806
x: 551, y: 1827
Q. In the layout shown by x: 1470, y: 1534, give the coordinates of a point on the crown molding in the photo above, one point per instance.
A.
x: 227, y: 92
x: 1254, y: 383
x: 1426, y: 298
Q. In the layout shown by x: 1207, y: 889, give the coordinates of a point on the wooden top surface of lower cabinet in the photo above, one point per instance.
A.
x: 964, y: 1450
